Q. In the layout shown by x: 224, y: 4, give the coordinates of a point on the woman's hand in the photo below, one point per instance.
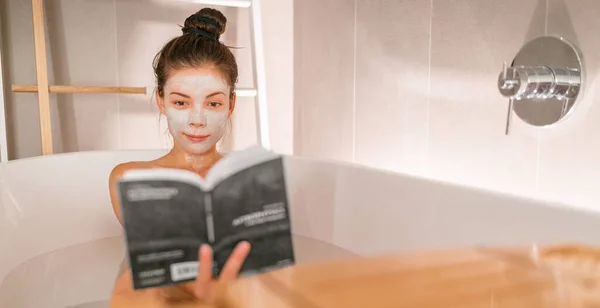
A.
x: 207, y: 289
x: 203, y: 292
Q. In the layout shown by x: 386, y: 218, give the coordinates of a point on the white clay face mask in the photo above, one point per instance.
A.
x: 195, y: 124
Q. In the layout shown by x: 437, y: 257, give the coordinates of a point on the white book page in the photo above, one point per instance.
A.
x: 227, y: 166
x: 238, y: 161
x: 166, y: 174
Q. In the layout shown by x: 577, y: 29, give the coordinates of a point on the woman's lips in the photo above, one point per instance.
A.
x: 196, y: 138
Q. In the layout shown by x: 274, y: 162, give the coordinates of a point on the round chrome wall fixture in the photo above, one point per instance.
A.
x: 543, y: 81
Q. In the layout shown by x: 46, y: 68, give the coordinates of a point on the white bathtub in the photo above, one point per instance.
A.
x: 60, y: 244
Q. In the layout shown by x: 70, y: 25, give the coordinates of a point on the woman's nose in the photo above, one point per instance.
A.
x: 197, y: 118
x: 197, y: 124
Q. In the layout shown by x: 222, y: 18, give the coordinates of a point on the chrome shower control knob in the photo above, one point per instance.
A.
x: 509, y: 83
x: 542, y: 82
x: 566, y: 83
x: 520, y: 82
x: 508, y: 87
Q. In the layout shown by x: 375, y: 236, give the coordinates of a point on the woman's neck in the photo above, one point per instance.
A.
x: 199, y: 163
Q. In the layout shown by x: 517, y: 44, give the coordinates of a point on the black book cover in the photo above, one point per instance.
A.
x: 252, y: 206
x: 166, y: 219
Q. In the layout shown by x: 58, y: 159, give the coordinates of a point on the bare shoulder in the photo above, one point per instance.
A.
x: 120, y: 169
x: 116, y: 173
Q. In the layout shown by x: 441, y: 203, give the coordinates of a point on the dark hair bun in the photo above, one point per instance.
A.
x: 207, y: 20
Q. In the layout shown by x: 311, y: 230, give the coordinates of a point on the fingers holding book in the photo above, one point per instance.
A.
x: 206, y: 288
x: 203, y: 285
x: 235, y: 262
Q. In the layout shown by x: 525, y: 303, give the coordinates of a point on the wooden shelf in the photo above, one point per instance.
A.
x: 81, y: 89
x: 242, y: 92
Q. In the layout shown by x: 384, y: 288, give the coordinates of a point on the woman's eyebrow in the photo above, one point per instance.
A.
x: 208, y: 96
x: 215, y: 93
x: 181, y: 94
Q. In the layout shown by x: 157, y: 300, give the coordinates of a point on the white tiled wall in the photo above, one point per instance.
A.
x: 323, y: 78
x: 410, y: 86
x: 113, y: 42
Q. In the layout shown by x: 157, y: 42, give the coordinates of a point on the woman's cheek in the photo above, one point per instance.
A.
x: 216, y: 120
x: 177, y: 119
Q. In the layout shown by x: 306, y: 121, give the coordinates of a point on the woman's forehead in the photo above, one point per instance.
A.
x: 196, y: 77
x: 195, y: 81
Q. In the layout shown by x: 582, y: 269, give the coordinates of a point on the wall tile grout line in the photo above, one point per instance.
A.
x: 119, y: 136
x: 539, y: 131
x: 354, y: 60
x: 427, y: 119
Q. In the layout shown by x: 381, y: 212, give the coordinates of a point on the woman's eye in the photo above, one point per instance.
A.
x: 214, y: 104
x: 179, y: 103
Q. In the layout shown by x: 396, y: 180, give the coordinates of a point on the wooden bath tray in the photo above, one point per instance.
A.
x: 556, y: 277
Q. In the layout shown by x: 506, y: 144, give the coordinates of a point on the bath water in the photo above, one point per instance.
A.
x: 67, y: 277
x: 83, y: 275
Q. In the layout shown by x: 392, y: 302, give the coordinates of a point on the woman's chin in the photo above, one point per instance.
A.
x: 198, y: 148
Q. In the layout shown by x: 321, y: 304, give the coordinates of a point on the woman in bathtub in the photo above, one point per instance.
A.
x: 196, y: 76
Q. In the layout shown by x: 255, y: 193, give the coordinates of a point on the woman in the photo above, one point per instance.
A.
x: 196, y: 76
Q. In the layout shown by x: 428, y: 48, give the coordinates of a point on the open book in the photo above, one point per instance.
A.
x: 168, y: 213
